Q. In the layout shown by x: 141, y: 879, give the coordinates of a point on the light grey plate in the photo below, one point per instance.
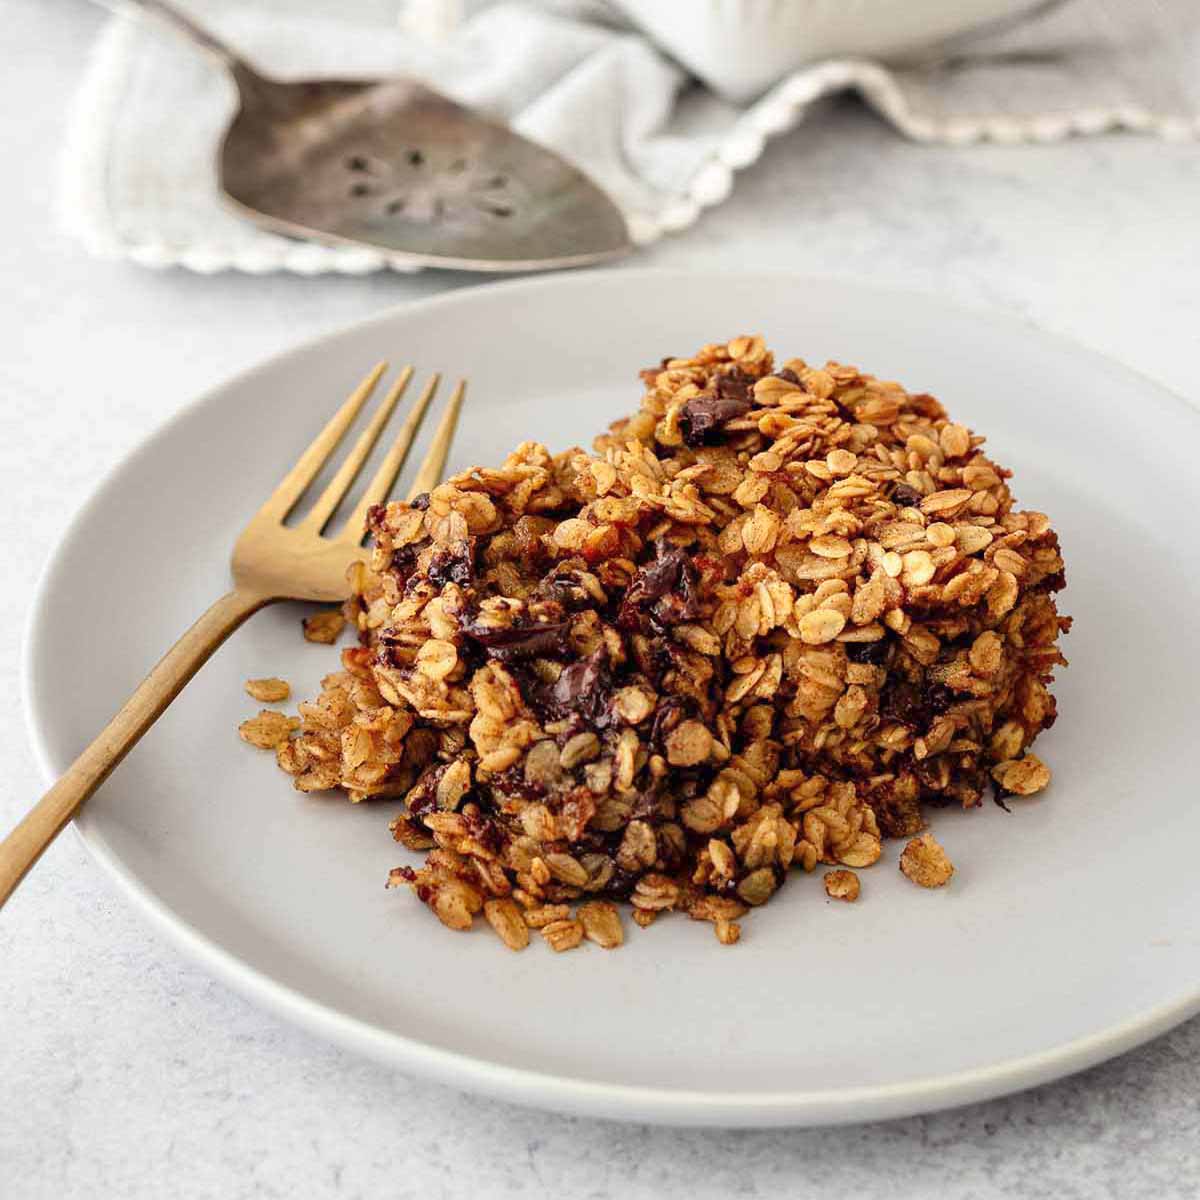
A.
x: 1070, y: 933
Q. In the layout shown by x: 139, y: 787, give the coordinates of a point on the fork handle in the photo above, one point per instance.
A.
x: 41, y: 825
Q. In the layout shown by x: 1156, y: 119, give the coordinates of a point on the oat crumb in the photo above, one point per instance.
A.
x: 268, y: 691
x: 842, y: 885
x: 324, y: 627
x: 269, y: 729
x: 1022, y: 777
x: 926, y: 863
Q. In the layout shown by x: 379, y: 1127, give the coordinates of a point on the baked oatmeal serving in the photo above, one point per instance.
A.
x: 777, y: 614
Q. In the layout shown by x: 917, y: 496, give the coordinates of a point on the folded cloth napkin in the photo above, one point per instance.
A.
x: 138, y: 179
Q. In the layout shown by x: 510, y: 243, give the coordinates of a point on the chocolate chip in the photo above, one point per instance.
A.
x: 655, y: 657
x: 914, y: 706
x: 702, y: 419
x: 620, y: 886
x: 670, y: 713
x: 584, y: 688
x: 456, y: 565
x: 423, y: 798
x: 903, y: 702
x: 788, y: 374
x: 564, y: 586
x: 875, y: 653
x: 668, y: 585
x: 486, y: 832
x: 656, y: 579
x: 513, y: 784
x: 521, y: 640
x: 404, y: 559
x: 905, y: 496
x: 682, y: 605
x: 420, y: 503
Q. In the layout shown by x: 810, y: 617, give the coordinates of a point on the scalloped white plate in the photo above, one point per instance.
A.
x: 1070, y: 933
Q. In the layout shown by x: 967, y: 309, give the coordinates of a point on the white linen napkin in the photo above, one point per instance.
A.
x: 138, y: 179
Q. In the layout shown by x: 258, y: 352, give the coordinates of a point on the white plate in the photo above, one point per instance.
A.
x: 1069, y: 934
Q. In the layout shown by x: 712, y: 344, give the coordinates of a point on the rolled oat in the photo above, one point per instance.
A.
x: 842, y: 885
x: 925, y: 862
x: 268, y: 691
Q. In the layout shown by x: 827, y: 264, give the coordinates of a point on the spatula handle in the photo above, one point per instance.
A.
x: 184, y: 24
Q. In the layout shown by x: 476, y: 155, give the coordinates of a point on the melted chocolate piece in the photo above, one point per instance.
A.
x: 914, y: 706
x: 486, y: 832
x: 620, y: 886
x: 703, y: 419
x: 512, y: 783
x: 667, y: 585
x: 656, y: 579
x: 583, y: 688
x: 563, y: 585
x: 404, y: 558
x: 903, y: 702
x: 454, y: 566
x: 671, y: 712
x: 655, y: 658
x: 875, y: 653
x: 423, y: 798
x: 515, y: 642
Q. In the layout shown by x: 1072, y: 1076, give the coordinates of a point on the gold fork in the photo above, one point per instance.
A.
x: 271, y: 562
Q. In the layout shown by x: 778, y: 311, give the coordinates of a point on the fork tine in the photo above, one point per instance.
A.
x: 430, y: 474
x: 340, y: 484
x: 283, y: 499
x: 379, y: 487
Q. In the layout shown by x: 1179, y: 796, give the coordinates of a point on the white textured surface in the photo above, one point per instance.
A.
x: 126, y: 1072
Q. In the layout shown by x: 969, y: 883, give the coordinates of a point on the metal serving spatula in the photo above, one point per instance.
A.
x: 393, y: 165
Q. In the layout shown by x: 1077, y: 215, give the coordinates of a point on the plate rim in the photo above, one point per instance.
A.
x: 540, y: 1089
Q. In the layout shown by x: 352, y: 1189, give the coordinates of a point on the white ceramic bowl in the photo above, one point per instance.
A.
x: 740, y: 47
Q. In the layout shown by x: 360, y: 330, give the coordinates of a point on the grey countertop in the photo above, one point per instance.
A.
x: 125, y: 1071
